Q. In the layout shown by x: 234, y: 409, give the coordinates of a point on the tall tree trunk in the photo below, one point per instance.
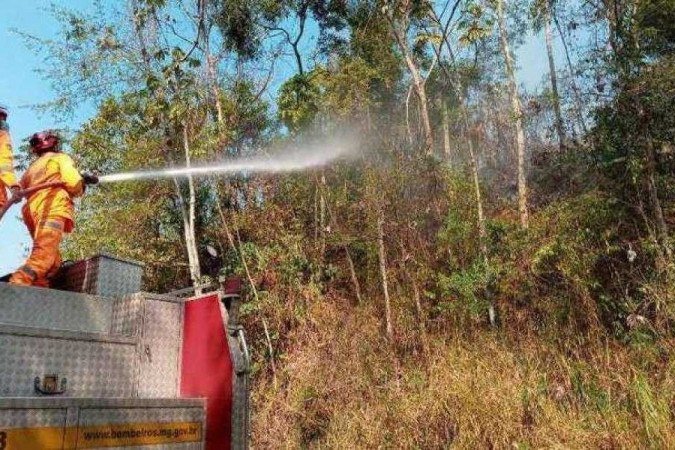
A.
x: 352, y: 274
x: 418, y: 83
x: 654, y: 201
x: 382, y: 253
x: 570, y: 67
x: 559, y: 125
x: 482, y: 233
x: 322, y: 212
x: 610, y: 10
x: 446, y: 131
x: 211, y: 69
x: 517, y: 114
x: 215, y: 90
x: 407, y: 115
x: 270, y: 349
x: 316, y: 212
x: 189, y: 221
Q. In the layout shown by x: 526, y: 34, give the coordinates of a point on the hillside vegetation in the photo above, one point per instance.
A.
x: 493, y: 268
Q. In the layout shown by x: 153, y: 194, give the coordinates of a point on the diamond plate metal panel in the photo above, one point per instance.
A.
x: 126, y: 315
x: 25, y: 418
x: 107, y: 416
x: 102, y: 274
x: 240, y: 387
x: 160, y: 346
x: 46, y: 308
x: 93, y: 368
x: 99, y: 403
x: 118, y: 277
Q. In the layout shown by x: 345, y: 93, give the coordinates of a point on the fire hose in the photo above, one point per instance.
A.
x: 19, y: 195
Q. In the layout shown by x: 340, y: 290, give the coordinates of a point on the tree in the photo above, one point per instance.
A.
x: 543, y: 8
x: 399, y: 18
x: 516, y: 110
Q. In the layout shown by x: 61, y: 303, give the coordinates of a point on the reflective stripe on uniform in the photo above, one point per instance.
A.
x: 54, y: 225
x: 29, y: 271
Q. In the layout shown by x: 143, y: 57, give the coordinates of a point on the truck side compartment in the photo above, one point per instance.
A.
x: 79, y: 370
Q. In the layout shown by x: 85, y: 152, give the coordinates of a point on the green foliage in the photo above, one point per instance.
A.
x: 475, y: 24
x: 298, y: 101
x: 561, y: 251
x: 340, y: 93
x: 640, y: 115
x: 236, y: 21
x: 653, y: 410
x: 465, y: 291
x: 655, y: 24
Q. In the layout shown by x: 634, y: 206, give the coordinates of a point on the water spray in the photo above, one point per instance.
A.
x: 309, y: 157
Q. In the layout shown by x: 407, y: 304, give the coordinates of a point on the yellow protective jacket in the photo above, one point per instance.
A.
x: 54, y: 202
x: 7, y: 176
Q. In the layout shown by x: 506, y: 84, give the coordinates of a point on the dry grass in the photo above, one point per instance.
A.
x: 340, y: 387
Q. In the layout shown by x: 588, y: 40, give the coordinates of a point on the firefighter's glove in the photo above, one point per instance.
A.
x: 16, y: 194
x: 90, y: 178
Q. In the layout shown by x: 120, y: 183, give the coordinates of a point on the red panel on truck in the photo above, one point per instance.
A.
x: 207, y: 367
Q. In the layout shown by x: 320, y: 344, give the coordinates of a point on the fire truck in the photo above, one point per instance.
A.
x: 94, y: 362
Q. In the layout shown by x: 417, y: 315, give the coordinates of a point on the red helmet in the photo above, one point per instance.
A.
x: 4, y: 112
x: 44, y: 141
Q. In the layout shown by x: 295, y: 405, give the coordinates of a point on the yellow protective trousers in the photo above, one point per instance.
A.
x: 48, y: 214
x: 45, y: 258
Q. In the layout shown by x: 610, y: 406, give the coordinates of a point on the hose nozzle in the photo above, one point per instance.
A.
x: 89, y: 178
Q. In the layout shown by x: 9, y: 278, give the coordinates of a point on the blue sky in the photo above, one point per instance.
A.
x: 21, y: 87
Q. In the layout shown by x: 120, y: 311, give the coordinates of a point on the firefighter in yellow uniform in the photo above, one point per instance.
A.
x: 48, y: 213
x: 7, y: 177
